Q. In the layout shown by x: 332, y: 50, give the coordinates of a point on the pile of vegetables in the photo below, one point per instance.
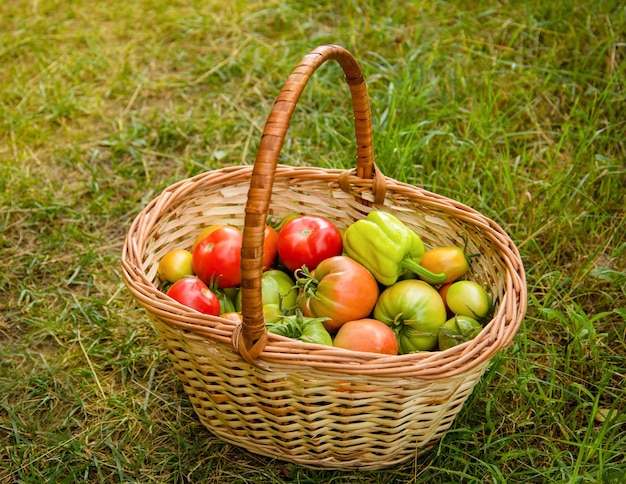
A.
x: 374, y: 288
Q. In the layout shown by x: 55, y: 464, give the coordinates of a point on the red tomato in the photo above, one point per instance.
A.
x: 449, y: 260
x: 205, y: 231
x: 270, y: 247
x: 340, y: 289
x: 368, y: 335
x: 194, y: 293
x: 308, y: 240
x: 218, y: 255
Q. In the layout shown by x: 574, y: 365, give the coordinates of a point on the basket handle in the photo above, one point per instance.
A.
x: 250, y: 337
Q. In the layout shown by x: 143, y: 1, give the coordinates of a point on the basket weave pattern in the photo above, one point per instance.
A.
x: 314, y: 405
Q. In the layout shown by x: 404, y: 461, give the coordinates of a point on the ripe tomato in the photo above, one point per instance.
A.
x: 205, y: 231
x: 340, y: 289
x: 217, y: 257
x: 468, y: 298
x: 449, y: 260
x: 308, y: 240
x: 194, y: 293
x: 175, y: 265
x: 367, y: 335
x: 270, y: 247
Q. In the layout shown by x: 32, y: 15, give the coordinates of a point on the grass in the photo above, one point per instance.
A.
x: 515, y: 108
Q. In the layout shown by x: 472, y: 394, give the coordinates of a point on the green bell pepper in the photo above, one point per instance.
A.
x: 387, y: 248
x: 297, y: 326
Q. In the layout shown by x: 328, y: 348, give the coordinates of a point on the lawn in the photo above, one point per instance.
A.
x: 514, y: 108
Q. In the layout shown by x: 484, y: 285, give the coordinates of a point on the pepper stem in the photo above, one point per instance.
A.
x: 424, y: 273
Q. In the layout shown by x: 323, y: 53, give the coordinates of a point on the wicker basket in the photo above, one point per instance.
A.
x: 316, y: 406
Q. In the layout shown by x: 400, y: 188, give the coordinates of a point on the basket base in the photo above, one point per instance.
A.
x: 314, y: 418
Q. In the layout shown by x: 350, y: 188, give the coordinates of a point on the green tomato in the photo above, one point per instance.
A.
x: 415, y: 311
x: 413, y: 341
x: 297, y: 326
x: 468, y: 298
x: 457, y: 330
x: 272, y: 313
x: 279, y: 295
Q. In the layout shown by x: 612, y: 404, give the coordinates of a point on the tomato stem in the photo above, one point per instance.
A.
x: 306, y: 281
x: 397, y: 321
